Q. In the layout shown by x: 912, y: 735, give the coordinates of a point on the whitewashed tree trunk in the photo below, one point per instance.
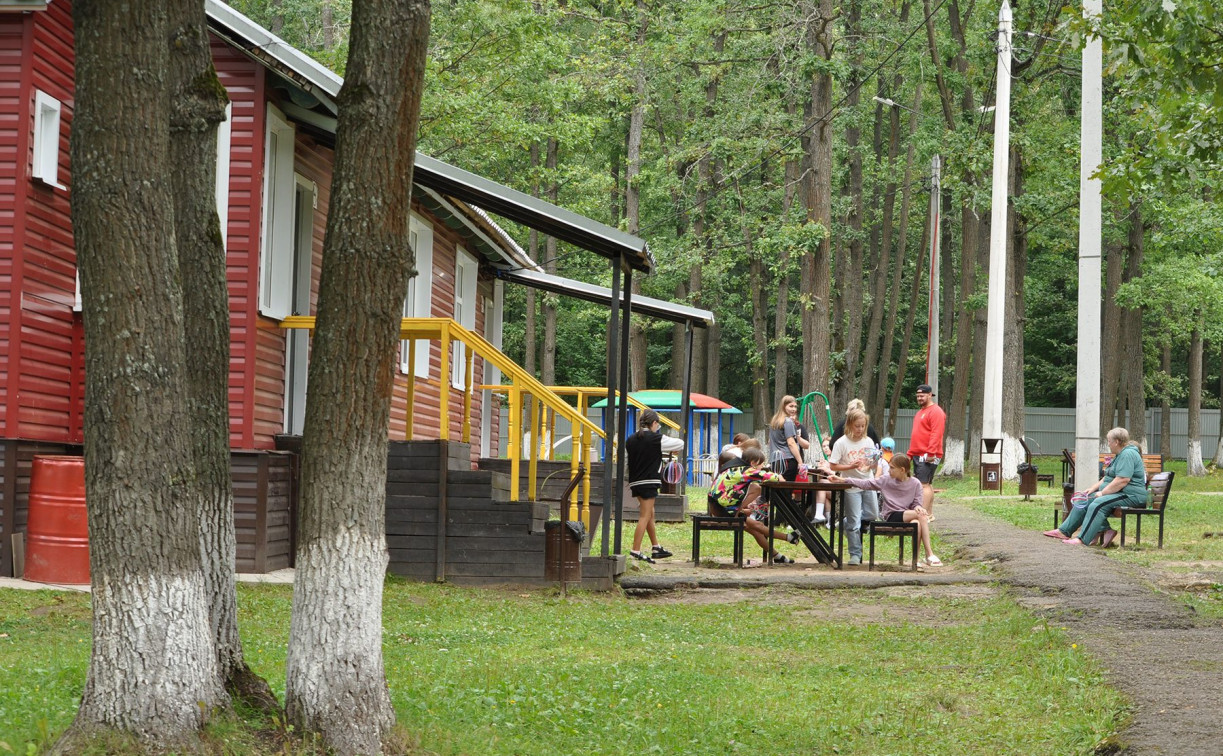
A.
x: 153, y: 670
x: 335, y: 683
x: 1193, y: 456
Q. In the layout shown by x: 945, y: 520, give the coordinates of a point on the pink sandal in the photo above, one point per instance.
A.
x: 1055, y: 534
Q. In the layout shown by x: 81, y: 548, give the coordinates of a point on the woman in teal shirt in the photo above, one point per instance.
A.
x: 1124, y: 485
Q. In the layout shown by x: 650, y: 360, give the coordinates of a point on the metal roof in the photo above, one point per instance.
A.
x: 655, y: 308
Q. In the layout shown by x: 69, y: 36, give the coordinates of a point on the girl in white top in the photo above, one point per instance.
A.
x: 850, y: 458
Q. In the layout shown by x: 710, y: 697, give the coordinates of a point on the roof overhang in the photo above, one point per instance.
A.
x: 8, y: 6
x: 654, y: 308
x: 481, y: 231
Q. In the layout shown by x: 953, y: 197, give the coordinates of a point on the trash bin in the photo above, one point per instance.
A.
x: 1027, y: 479
x: 562, y: 560
x: 57, y: 532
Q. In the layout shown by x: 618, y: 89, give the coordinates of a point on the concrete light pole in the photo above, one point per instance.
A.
x: 991, y: 412
x: 1087, y: 386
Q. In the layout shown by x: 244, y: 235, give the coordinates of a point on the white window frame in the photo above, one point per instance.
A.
x: 493, y: 331
x: 279, y: 202
x: 224, y: 145
x: 47, y: 114
x: 419, y: 302
x: 466, y: 272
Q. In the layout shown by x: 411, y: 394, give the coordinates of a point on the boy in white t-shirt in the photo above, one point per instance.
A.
x: 851, y: 457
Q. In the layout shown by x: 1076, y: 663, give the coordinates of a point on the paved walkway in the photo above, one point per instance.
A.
x: 1155, y: 649
x: 284, y: 576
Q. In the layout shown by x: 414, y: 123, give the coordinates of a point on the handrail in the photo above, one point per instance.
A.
x: 445, y: 330
x: 588, y: 391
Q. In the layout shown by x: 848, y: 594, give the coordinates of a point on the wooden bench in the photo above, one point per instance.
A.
x: 1160, y: 485
x: 717, y: 519
x: 1153, y: 464
x: 901, y: 530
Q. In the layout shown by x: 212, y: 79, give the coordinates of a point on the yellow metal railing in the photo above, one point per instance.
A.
x: 523, y: 384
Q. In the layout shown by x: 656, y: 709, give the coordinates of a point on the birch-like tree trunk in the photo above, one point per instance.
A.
x: 1218, y: 458
x: 153, y: 667
x: 1165, y: 403
x: 1193, y: 455
x: 197, y: 105
x: 335, y: 683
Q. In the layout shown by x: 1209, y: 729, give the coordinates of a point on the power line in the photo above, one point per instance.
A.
x: 788, y: 141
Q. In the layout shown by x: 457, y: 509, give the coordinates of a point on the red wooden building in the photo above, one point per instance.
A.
x: 275, y: 157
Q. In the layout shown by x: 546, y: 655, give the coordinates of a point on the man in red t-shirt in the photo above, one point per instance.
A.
x: 926, y: 443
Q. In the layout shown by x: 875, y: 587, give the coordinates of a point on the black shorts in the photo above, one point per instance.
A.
x: 924, y: 471
x: 896, y: 516
x: 645, y: 492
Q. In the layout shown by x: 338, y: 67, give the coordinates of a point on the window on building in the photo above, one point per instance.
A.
x: 276, y: 244
x: 46, y: 139
x: 465, y: 270
x: 419, y: 302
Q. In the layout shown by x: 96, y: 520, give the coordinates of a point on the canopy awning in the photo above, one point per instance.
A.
x: 654, y: 308
x: 671, y: 400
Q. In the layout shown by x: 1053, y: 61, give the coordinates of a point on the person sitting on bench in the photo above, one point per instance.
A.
x: 738, y: 492
x: 1124, y: 484
x: 901, y: 500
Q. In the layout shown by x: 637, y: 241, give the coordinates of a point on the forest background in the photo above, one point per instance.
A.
x: 777, y: 158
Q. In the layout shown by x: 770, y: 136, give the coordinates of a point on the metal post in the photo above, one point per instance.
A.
x: 686, y: 400
x: 622, y: 411
x: 1087, y: 385
x: 609, y: 446
x: 991, y: 416
x: 932, y: 340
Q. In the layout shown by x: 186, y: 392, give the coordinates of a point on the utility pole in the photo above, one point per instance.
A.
x: 1087, y: 385
x: 991, y: 414
x: 933, y: 315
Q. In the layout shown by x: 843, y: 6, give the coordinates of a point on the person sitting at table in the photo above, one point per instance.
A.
x: 732, y: 454
x: 1124, y: 484
x: 901, y: 500
x: 739, y: 493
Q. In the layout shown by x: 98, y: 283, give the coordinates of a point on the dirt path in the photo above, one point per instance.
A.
x: 1155, y: 649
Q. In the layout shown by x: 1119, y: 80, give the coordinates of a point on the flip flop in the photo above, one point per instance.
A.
x: 1055, y: 534
x: 1107, y: 540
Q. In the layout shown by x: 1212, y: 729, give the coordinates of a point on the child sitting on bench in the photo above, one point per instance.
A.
x: 901, y: 500
x: 738, y: 492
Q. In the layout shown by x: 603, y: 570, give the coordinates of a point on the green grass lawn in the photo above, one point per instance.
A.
x: 476, y: 671
x: 1195, y: 509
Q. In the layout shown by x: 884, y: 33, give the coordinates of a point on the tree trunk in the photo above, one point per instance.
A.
x: 548, y: 374
x: 980, y: 322
x: 872, y: 371
x: 329, y: 26
x: 197, y: 105
x: 1165, y: 402
x: 817, y: 198
x: 1112, y: 349
x: 1135, y: 357
x: 957, y: 410
x: 638, y: 378
x: 1218, y: 458
x: 1193, y: 456
x: 906, y: 340
x: 335, y: 683
x: 902, y: 238
x: 1013, y: 326
x: 781, y: 317
x: 852, y: 275
x: 760, y: 333
x: 153, y: 669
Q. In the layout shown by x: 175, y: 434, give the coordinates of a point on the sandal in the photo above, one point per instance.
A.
x: 1055, y: 534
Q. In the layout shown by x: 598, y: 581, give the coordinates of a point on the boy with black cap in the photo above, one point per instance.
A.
x: 926, y: 443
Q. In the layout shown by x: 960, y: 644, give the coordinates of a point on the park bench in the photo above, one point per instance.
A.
x: 1151, y: 463
x: 901, y: 530
x: 717, y: 518
x: 1160, y: 487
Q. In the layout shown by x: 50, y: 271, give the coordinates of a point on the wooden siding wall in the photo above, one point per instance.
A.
x: 42, y: 377
x: 265, y: 503
x: 488, y: 540
x: 16, y: 460
x: 244, y: 81
x: 426, y: 421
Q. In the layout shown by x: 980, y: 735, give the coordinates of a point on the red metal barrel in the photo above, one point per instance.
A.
x: 57, y: 533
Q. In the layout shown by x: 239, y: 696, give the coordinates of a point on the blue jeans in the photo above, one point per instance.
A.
x: 858, y: 505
